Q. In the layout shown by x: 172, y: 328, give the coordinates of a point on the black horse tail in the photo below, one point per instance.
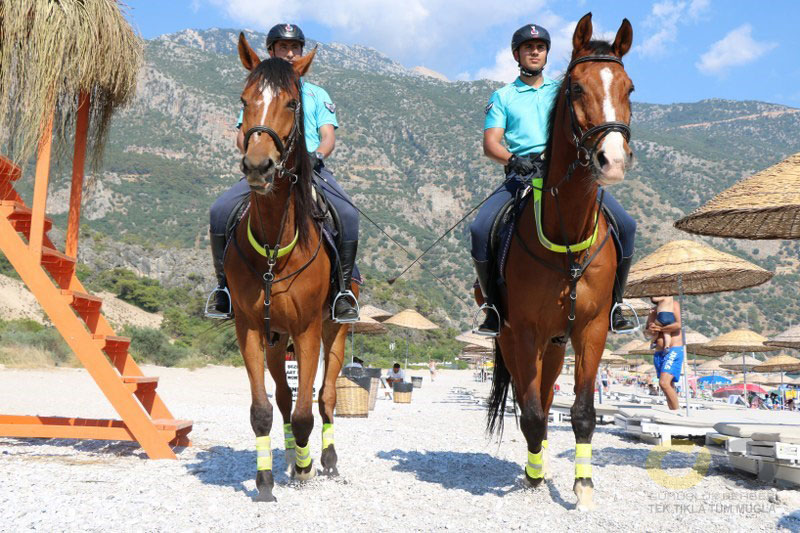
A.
x: 501, y: 379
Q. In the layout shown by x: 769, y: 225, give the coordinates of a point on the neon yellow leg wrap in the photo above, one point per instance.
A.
x: 327, y: 435
x: 288, y: 437
x: 583, y: 461
x: 544, y: 444
x: 263, y: 453
x: 303, y: 456
x: 534, y: 466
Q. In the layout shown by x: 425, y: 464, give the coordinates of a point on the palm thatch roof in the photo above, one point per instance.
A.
x: 51, y: 51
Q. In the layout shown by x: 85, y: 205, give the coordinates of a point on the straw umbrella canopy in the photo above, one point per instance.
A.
x: 642, y: 307
x: 366, y: 324
x: 375, y: 313
x: 779, y: 363
x: 692, y: 268
x: 52, y: 52
x: 471, y: 339
x: 410, y: 319
x: 635, y: 361
x: 714, y: 365
x: 739, y: 341
x: 788, y: 339
x: 641, y: 348
x: 763, y: 206
x: 645, y: 369
x: 747, y: 364
x: 627, y: 347
x: 610, y: 358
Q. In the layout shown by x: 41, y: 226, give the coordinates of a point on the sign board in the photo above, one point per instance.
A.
x: 293, y: 376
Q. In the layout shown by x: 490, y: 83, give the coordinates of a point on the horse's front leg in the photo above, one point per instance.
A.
x: 251, y: 346
x: 532, y: 420
x: 589, y: 342
x: 334, y: 337
x: 276, y: 363
x: 552, y: 362
x: 306, y: 345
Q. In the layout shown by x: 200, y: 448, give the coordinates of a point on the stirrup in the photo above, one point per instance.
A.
x: 475, y: 319
x: 345, y: 294
x: 211, y: 305
x: 634, y: 329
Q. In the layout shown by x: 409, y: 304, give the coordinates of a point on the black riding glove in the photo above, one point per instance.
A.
x: 523, y: 166
x: 315, y: 159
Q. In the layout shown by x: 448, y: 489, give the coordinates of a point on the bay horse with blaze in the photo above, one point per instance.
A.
x: 279, y: 275
x: 563, y: 292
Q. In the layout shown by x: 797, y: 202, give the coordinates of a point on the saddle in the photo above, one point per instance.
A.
x: 327, y: 213
x: 504, y: 226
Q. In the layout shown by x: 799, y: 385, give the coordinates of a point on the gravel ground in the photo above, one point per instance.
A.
x: 408, y: 467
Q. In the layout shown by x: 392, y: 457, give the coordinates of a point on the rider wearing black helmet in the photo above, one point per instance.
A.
x: 286, y: 41
x: 515, y: 135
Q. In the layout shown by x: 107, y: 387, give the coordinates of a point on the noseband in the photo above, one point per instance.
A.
x: 285, y: 150
x: 585, y: 153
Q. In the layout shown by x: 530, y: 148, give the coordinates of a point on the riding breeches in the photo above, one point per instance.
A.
x: 222, y: 208
x: 482, y: 225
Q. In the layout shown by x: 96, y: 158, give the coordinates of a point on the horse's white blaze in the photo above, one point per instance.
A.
x: 266, y: 99
x: 613, y: 144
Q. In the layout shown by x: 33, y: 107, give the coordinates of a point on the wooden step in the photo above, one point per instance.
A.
x: 56, y: 262
x: 8, y: 170
x: 112, y: 344
x: 20, y: 215
x: 172, y: 424
x: 140, y: 384
x: 82, y: 302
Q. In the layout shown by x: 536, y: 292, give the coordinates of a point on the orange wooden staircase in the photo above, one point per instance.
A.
x: 50, y: 276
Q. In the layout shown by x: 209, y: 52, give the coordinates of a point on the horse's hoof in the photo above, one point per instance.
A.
x: 305, y: 474
x: 330, y: 472
x: 584, y: 490
x: 533, y: 482
x: 265, y: 496
x: 586, y: 507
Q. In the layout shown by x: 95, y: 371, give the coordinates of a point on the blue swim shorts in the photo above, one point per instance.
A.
x: 670, y: 360
x: 665, y: 318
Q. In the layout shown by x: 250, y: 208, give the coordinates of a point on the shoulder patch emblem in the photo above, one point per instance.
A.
x: 488, y: 108
x: 331, y: 107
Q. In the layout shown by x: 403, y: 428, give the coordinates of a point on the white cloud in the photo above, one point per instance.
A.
x: 411, y: 31
x: 665, y: 18
x: 737, y: 48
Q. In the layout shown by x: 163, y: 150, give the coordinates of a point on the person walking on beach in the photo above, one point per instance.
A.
x: 432, y: 368
x: 669, y: 359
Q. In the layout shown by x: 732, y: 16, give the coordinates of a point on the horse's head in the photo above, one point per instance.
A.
x: 599, y: 89
x: 273, y: 116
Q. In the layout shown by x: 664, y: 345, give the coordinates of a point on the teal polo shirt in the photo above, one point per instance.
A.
x: 522, y: 111
x: 318, y: 110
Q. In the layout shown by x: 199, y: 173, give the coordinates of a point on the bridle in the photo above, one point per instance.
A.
x: 273, y: 253
x: 285, y: 150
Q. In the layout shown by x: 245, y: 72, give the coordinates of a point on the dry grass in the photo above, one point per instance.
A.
x: 51, y: 51
x: 30, y: 357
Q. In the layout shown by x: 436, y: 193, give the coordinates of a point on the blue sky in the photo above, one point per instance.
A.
x: 684, y: 50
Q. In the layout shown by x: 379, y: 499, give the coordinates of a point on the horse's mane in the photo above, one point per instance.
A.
x: 597, y: 48
x: 279, y: 75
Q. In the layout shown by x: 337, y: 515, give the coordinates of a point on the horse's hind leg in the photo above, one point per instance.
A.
x: 589, y: 344
x: 551, y: 369
x: 306, y: 346
x: 276, y: 363
x: 252, y: 350
x: 334, y: 338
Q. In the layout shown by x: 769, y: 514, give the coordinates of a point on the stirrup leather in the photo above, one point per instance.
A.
x: 487, y: 307
x: 211, y: 305
x: 352, y: 297
x: 634, y: 329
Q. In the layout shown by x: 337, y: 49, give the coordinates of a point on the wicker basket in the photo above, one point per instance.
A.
x: 402, y: 392
x: 416, y: 381
x: 352, y: 397
x: 373, y: 392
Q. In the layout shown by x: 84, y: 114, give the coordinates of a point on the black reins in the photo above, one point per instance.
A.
x: 585, y: 155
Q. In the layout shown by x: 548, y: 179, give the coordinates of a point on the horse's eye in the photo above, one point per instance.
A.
x: 577, y: 90
x: 292, y: 104
x: 632, y: 89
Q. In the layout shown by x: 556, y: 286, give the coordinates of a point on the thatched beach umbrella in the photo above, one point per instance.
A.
x: 780, y: 363
x: 365, y: 325
x: 476, y: 340
x: 376, y: 313
x: 763, y: 206
x: 55, y: 56
x: 610, y: 358
x: 627, y: 347
x: 688, y: 267
x: 739, y: 341
x: 410, y: 319
x: 641, y: 306
x: 788, y: 339
x: 745, y: 365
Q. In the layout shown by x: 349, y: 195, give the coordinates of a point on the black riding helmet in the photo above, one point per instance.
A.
x: 285, y: 32
x: 529, y: 32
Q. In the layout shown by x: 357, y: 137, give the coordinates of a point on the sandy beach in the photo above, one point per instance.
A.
x: 408, y: 467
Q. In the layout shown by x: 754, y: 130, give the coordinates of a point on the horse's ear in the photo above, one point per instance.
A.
x: 302, y: 65
x: 583, y: 33
x: 248, y: 56
x: 624, y: 38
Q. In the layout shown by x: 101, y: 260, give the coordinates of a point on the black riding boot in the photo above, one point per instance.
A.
x: 491, y: 324
x: 618, y: 321
x: 345, y: 306
x: 221, y: 307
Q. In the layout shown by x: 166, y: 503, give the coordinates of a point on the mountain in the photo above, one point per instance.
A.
x: 409, y: 153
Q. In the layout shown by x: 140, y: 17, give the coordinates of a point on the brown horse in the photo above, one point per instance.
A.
x: 279, y: 277
x: 554, y: 296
